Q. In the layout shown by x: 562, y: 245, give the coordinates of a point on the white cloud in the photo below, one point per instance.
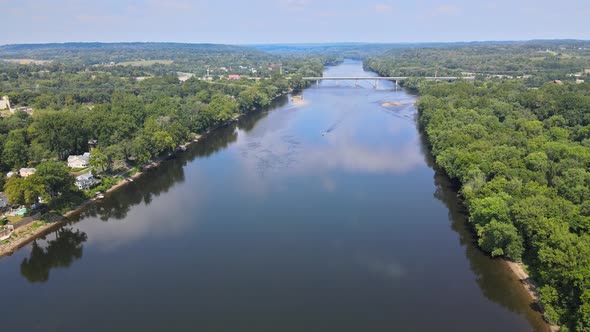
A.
x: 445, y: 10
x: 383, y: 8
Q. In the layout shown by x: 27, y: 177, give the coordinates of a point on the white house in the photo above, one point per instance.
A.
x: 4, y: 103
x: 79, y: 161
x: 24, y: 172
x: 84, y: 181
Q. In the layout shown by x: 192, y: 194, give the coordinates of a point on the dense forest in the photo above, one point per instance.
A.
x: 136, y: 112
x: 522, y: 158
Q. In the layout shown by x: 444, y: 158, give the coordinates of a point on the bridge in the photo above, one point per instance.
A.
x: 376, y: 79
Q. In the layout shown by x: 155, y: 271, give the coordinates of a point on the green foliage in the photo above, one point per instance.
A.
x: 525, y: 172
x: 98, y: 160
x: 14, y: 154
x: 501, y: 239
x: 54, y: 176
x: 23, y: 191
x: 484, y: 210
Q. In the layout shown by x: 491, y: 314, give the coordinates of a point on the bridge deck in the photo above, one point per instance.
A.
x: 369, y: 78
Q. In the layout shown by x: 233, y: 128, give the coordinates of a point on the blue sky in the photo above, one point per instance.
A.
x: 291, y: 21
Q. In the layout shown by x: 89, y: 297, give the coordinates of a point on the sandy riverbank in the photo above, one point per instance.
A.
x: 529, y: 285
x: 397, y: 103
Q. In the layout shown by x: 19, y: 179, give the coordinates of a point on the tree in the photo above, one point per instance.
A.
x: 501, y: 239
x: 162, y: 141
x: 62, y: 133
x: 15, y: 149
x: 141, y: 149
x: 24, y: 191
x: 484, y: 210
x: 99, y: 160
x: 222, y: 108
x: 54, y: 176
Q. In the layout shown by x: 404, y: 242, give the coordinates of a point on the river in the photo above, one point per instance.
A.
x: 268, y: 225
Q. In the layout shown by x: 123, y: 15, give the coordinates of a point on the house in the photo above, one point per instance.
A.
x: 4, y: 103
x: 233, y: 77
x: 579, y: 81
x: 24, y: 172
x: 84, y: 181
x: 81, y: 161
x: 3, y: 200
x: 557, y: 82
x: 10, y: 174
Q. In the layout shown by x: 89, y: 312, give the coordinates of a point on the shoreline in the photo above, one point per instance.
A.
x: 518, y: 270
x: 521, y: 274
x: 28, y: 234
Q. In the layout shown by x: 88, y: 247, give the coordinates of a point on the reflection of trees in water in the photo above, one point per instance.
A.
x: 161, y: 179
x: 248, y: 121
x: 60, y: 252
x: 495, y: 281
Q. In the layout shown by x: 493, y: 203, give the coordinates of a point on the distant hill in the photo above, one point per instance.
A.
x: 361, y: 50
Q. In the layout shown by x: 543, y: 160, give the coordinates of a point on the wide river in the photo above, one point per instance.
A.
x: 319, y: 215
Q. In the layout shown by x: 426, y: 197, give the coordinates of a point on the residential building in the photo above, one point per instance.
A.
x: 4, y: 103
x: 81, y: 161
x: 233, y: 77
x: 24, y: 172
x: 84, y: 181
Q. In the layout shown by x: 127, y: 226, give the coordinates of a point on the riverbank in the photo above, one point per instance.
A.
x: 519, y: 270
x: 25, y: 235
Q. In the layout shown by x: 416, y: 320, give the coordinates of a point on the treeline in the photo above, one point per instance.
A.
x: 537, y: 62
x: 522, y: 157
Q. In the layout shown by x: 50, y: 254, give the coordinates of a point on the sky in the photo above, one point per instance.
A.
x: 291, y: 21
